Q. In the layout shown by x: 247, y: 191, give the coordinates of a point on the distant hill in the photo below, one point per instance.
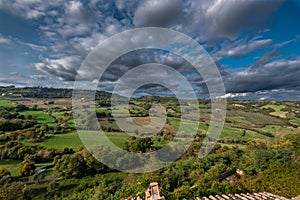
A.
x: 43, y: 92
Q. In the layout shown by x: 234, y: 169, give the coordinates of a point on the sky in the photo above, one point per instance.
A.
x: 255, y: 44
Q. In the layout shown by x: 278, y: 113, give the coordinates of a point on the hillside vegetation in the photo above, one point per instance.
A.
x: 42, y: 156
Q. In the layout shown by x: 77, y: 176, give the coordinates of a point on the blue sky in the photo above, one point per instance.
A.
x: 254, y: 43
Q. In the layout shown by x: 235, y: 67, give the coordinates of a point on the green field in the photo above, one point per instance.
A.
x: 237, y: 119
x: 237, y: 133
x: 277, y: 109
x: 61, y: 115
x: 6, y: 103
x: 274, y: 107
x: 101, y: 109
x: 175, y: 122
x: 254, y: 118
x: 72, y: 140
x: 277, y: 131
x: 296, y: 120
x: 40, y: 116
x: 232, y: 132
x: 12, y: 166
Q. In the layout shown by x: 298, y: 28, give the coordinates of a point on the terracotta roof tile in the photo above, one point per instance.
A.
x: 254, y: 196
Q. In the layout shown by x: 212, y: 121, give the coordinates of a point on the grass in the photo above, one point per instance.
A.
x: 237, y: 119
x: 101, y: 109
x: 40, y: 116
x: 120, y: 111
x: 254, y: 135
x: 61, y: 115
x: 175, y: 122
x: 257, y: 119
x: 278, y: 131
x: 12, y: 165
x: 72, y: 140
x: 296, y: 120
x: 42, y: 165
x: 277, y: 109
x: 61, y: 141
x: 281, y: 114
x: 227, y: 131
x: 7, y: 103
x: 232, y: 132
x: 274, y: 107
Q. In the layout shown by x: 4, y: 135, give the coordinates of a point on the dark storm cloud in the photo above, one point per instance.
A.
x: 160, y: 13
x: 133, y: 59
x: 279, y: 74
x: 206, y: 20
x: 229, y: 18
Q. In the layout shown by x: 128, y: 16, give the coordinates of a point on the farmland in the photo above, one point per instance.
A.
x: 277, y: 110
x: 72, y: 140
x: 6, y: 103
x: 42, y: 133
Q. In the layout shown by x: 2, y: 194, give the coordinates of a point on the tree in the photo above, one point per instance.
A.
x: 27, y: 168
x: 182, y: 192
x: 35, y: 107
x: 13, y: 191
x: 71, y: 166
x: 93, y: 165
x: 294, y: 142
x: 139, y: 145
x: 44, y: 128
x: 21, y: 107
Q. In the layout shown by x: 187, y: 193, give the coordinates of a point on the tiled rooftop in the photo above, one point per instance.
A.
x: 253, y: 196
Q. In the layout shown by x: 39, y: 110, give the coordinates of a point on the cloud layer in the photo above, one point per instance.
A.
x: 70, y: 29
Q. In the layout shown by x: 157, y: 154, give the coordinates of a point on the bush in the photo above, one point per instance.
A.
x: 27, y: 168
x: 4, y: 172
x: 139, y: 145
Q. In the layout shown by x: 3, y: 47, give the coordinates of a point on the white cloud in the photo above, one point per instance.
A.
x: 63, y: 68
x: 5, y: 41
x: 34, y: 46
x: 233, y: 95
x: 34, y: 14
x: 30, y: 9
x: 247, y: 48
x: 39, y: 77
x: 242, y: 47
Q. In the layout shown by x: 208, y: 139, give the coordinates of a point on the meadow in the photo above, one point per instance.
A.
x: 7, y: 103
x: 72, y: 140
x: 278, y: 110
x: 39, y: 115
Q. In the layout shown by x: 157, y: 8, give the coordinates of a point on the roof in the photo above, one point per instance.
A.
x: 254, y: 196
